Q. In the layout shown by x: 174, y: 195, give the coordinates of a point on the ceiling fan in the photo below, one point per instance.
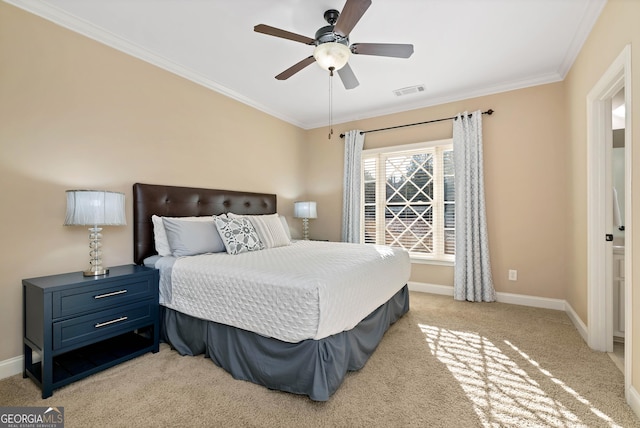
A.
x: 332, y: 49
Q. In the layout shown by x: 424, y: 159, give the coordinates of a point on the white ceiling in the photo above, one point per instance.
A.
x: 463, y: 48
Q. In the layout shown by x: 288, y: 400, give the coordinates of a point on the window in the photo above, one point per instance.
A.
x: 409, y: 199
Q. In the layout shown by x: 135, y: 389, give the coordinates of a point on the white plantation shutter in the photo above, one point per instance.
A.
x: 369, y: 225
x: 409, y: 199
x: 449, y: 229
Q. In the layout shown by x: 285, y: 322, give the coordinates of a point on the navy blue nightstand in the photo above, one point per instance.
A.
x: 81, y: 325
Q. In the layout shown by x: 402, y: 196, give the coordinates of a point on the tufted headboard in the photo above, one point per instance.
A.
x: 173, y: 201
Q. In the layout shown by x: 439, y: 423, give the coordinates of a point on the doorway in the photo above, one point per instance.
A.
x: 617, y: 79
x: 618, y: 116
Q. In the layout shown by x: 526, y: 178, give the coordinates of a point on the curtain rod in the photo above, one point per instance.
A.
x: 488, y: 112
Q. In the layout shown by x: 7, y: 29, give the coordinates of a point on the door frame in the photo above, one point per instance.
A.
x: 600, y: 208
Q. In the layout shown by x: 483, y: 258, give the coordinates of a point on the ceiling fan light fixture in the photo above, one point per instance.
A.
x: 331, y: 55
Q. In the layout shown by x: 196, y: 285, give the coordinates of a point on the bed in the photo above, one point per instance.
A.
x: 262, y: 347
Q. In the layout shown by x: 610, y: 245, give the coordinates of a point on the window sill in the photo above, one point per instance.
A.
x: 419, y: 261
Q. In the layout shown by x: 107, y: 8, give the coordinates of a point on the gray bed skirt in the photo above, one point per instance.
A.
x: 312, y: 367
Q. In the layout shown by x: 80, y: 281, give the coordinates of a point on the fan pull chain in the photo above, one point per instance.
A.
x: 331, y: 101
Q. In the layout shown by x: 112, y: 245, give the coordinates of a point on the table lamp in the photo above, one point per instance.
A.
x: 305, y: 211
x: 95, y: 208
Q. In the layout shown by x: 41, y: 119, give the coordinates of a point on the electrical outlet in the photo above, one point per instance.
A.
x: 513, y: 275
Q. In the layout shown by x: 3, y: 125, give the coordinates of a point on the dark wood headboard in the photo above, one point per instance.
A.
x: 173, y: 201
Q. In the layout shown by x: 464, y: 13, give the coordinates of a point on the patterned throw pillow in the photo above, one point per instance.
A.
x: 270, y: 228
x: 238, y: 235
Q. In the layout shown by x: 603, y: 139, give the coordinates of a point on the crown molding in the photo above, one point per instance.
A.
x: 590, y: 15
x: 455, y: 97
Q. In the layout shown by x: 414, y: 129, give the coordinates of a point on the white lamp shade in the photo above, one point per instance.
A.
x: 305, y: 210
x: 331, y: 54
x: 95, y: 208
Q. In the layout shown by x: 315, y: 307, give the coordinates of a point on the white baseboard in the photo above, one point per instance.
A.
x: 514, y: 299
x: 533, y: 301
x: 577, y: 322
x: 11, y: 367
x: 422, y: 287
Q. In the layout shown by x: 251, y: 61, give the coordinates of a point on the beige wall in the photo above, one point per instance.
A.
x: 77, y: 114
x: 617, y: 27
x: 526, y: 183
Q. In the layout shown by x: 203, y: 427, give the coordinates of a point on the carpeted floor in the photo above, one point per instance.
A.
x: 444, y: 364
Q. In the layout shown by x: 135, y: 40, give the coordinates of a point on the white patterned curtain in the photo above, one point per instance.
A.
x: 353, y: 144
x: 473, y: 280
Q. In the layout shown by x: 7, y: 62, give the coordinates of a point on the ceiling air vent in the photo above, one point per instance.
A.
x: 409, y: 90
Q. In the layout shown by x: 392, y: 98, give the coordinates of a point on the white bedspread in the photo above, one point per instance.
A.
x: 308, y: 290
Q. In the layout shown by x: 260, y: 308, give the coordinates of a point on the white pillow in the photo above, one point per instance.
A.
x: 270, y: 228
x: 238, y: 235
x: 160, y: 234
x: 285, y: 225
x: 188, y: 238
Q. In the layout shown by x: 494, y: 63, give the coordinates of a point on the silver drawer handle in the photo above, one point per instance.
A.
x: 115, y: 293
x: 102, y: 324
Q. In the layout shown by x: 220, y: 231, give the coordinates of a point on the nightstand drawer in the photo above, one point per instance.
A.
x: 84, y: 299
x: 101, y: 325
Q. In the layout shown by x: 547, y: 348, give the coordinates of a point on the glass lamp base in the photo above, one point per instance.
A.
x: 96, y: 272
x: 95, y: 262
